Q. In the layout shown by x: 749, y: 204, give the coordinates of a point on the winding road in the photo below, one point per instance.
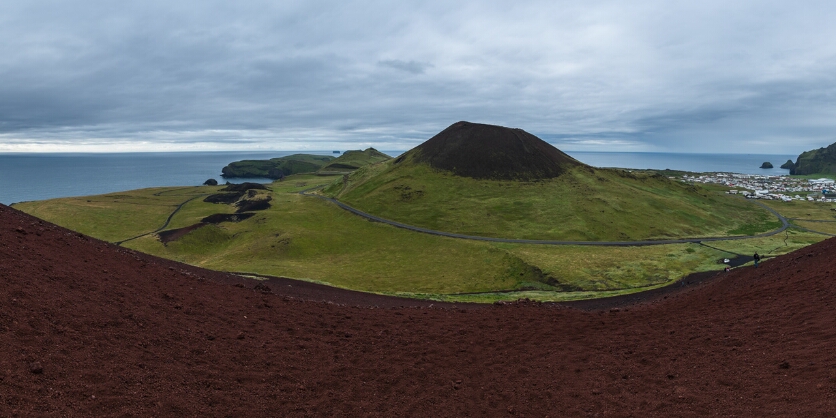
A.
x: 784, y: 225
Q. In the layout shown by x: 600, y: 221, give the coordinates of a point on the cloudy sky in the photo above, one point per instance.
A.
x: 685, y: 76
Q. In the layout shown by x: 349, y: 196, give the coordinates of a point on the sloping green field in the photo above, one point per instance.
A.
x: 581, y: 205
x: 354, y: 159
x: 307, y: 238
x: 275, y: 168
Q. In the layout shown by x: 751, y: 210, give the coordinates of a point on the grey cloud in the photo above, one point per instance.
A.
x: 407, y: 66
x: 649, y: 76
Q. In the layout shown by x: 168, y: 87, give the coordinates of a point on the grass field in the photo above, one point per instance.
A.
x: 783, y: 243
x: 277, y: 167
x: 798, y: 209
x: 824, y: 227
x: 354, y: 159
x: 310, y: 239
x: 607, y: 205
x: 107, y: 216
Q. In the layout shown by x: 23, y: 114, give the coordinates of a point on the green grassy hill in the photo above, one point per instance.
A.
x: 352, y: 160
x: 822, y: 160
x: 307, y: 238
x: 493, y: 181
x: 275, y: 168
x: 583, y: 204
x: 471, y: 179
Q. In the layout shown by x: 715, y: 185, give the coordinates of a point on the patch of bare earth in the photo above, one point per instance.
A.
x: 91, y: 329
x: 175, y: 234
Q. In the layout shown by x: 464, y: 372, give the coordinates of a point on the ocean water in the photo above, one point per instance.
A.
x: 39, y: 176
x: 731, y: 163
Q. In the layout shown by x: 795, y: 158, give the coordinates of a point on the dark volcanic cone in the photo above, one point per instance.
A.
x: 492, y: 152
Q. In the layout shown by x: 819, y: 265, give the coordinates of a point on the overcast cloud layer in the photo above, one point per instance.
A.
x: 708, y: 76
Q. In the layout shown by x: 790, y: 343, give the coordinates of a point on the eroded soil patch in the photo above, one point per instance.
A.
x: 175, y: 234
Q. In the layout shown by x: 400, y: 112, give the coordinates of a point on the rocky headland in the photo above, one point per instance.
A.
x: 818, y: 161
x: 276, y: 168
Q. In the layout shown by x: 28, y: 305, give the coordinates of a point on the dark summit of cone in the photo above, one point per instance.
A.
x: 492, y: 152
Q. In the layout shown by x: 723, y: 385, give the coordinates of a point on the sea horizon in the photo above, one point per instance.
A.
x: 26, y: 176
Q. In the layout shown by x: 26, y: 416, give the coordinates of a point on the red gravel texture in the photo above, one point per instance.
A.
x: 91, y: 329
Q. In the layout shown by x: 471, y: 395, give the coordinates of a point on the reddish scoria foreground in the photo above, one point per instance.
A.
x: 91, y: 329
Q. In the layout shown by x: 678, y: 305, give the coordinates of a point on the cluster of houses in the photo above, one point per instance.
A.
x: 754, y: 186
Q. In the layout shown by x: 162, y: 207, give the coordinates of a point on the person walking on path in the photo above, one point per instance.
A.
x: 757, y: 259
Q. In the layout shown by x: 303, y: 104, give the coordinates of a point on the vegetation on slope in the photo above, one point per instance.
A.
x: 352, y: 160
x: 583, y: 204
x: 307, y: 238
x: 118, y: 216
x: 276, y: 168
x: 822, y: 160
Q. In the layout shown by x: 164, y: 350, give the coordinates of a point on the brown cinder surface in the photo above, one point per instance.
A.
x: 91, y: 329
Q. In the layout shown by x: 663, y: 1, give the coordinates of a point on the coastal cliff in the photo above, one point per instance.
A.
x: 276, y: 168
x: 819, y: 161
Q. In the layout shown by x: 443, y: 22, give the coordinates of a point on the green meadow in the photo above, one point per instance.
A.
x: 307, y: 238
x: 580, y: 205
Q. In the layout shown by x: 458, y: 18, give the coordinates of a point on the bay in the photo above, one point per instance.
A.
x: 39, y: 176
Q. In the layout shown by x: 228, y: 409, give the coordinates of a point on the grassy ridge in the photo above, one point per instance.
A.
x: 352, y: 160
x: 105, y: 216
x: 275, y: 168
x: 581, y: 205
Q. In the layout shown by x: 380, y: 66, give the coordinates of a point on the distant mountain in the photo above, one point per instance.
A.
x: 276, y: 168
x: 491, y: 152
x: 818, y: 161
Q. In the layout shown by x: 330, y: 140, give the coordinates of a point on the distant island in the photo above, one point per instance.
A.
x: 277, y: 168
x: 788, y: 165
x: 766, y: 164
x: 819, y: 161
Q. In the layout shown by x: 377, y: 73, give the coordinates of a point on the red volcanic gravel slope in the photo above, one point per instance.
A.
x: 90, y: 329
